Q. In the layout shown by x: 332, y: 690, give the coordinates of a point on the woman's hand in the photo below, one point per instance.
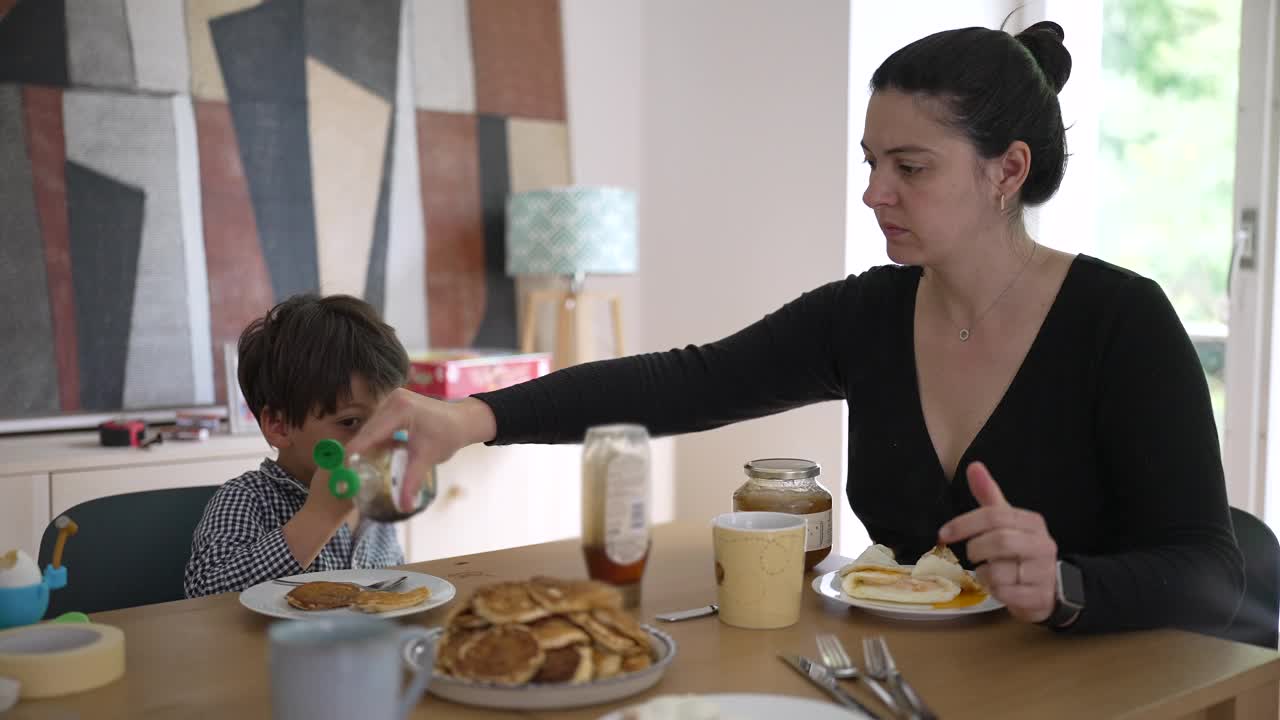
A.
x: 437, y: 429
x: 1016, y: 558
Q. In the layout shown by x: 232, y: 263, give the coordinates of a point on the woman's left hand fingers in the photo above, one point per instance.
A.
x: 1005, y: 543
x: 1031, y: 603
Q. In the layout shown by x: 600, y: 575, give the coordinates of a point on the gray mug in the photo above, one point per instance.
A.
x: 344, y: 668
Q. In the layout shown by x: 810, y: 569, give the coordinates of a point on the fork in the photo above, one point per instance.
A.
x: 838, y: 662
x: 380, y: 585
x: 880, y: 666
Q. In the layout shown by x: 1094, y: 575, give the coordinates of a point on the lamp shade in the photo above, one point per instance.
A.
x: 565, y: 231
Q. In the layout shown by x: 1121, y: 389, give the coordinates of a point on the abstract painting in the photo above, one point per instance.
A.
x: 169, y: 170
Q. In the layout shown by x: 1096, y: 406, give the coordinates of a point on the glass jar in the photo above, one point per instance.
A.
x: 790, y: 485
x: 376, y: 482
x: 615, y: 506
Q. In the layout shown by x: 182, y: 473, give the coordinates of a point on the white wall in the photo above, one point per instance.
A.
x: 740, y: 168
x: 604, y: 46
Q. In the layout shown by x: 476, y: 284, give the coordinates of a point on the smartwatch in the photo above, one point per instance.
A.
x: 1070, y: 596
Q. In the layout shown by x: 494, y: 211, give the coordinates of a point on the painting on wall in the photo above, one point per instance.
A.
x: 170, y: 170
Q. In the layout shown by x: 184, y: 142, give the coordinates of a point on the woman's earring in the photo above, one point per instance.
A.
x: 1001, y: 203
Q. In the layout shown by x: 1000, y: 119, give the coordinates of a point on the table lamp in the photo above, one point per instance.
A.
x: 570, y: 232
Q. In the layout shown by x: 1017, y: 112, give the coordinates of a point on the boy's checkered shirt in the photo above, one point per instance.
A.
x: 240, y: 540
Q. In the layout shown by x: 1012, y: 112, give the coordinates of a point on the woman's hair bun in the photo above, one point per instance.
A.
x: 1044, y: 40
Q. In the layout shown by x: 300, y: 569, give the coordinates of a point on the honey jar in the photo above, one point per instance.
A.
x: 790, y: 485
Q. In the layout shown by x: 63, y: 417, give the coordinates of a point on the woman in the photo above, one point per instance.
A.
x: 1063, y: 389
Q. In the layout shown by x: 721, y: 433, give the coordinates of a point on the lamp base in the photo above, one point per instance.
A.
x: 574, y: 339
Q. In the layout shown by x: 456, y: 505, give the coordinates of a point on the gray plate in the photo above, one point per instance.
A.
x: 536, y: 696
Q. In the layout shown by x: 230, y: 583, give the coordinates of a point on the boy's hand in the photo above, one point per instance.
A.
x: 322, y: 502
x: 313, y: 526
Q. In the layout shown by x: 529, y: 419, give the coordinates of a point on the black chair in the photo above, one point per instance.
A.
x: 130, y: 550
x: 1259, y: 615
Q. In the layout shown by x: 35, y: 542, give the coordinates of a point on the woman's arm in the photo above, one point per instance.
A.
x: 788, y: 359
x: 1180, y: 564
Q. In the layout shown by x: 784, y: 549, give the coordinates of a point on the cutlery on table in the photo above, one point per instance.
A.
x: 820, y: 676
x: 380, y: 585
x: 880, y: 666
x: 697, y: 612
x: 841, y: 665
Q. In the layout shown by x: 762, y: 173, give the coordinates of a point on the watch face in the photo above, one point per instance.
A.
x: 1070, y: 585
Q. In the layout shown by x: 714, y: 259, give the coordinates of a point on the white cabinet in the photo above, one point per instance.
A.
x: 44, y: 475
x: 498, y: 497
x: 68, y: 489
x: 24, y: 512
x: 489, y: 497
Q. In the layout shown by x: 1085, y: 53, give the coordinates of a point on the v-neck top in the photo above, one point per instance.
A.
x: 1106, y: 429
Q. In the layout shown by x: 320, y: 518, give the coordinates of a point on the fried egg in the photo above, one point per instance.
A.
x: 932, y: 564
x: 898, y: 587
x: 876, y: 557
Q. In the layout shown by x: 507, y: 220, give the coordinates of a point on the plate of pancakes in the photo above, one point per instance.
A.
x: 936, y: 587
x: 544, y: 644
x: 338, y: 592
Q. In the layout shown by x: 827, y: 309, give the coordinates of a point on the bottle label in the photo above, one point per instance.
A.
x: 817, y: 528
x: 626, y: 509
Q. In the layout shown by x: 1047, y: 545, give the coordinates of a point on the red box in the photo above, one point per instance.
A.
x: 456, y: 374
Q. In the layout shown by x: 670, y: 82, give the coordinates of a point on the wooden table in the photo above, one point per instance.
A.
x: 208, y: 657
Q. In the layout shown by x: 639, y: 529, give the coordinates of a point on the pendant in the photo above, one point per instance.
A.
x: 964, y: 334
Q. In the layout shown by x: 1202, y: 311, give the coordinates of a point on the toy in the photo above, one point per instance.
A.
x: 24, y: 595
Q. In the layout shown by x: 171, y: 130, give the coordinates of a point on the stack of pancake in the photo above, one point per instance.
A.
x: 546, y: 630
x: 936, y: 577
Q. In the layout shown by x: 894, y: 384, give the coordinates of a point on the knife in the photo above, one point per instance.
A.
x: 819, y: 675
x: 697, y: 612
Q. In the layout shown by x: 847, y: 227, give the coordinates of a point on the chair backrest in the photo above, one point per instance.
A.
x: 1259, y: 615
x: 131, y: 549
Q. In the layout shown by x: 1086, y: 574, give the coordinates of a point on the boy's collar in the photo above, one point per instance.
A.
x: 276, y: 471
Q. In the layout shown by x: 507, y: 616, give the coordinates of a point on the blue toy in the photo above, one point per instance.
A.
x: 27, y: 604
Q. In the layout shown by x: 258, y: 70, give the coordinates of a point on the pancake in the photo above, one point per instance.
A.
x: 570, y: 665
x: 636, y: 663
x: 450, y: 648
x: 602, y: 634
x: 566, y: 596
x: 624, y: 624
x: 507, y: 654
x: 507, y: 602
x: 932, y: 565
x: 376, y: 601
x: 556, y: 632
x: 899, y: 588
x: 605, y: 664
x: 322, y: 595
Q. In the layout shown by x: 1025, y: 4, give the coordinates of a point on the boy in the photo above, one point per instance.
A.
x: 311, y: 368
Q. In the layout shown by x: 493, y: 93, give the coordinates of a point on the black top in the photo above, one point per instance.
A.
x: 1106, y: 429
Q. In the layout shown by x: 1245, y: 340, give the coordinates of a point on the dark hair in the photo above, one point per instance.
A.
x: 300, y: 356
x: 996, y: 88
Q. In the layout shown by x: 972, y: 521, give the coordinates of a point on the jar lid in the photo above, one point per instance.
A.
x: 782, y: 469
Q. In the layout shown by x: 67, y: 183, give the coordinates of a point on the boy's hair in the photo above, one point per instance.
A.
x: 300, y: 356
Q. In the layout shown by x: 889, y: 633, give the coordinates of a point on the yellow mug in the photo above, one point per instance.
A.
x: 759, y: 568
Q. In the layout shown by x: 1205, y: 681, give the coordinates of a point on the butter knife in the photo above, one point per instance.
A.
x: 820, y: 676
x: 697, y: 612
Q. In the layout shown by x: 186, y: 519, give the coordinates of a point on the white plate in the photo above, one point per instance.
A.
x: 829, y: 586
x: 536, y: 696
x: 770, y: 707
x: 267, y: 597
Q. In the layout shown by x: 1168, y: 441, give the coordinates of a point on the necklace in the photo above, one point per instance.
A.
x: 964, y: 330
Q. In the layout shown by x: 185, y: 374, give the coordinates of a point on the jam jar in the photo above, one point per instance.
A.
x: 376, y: 481
x: 790, y: 485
